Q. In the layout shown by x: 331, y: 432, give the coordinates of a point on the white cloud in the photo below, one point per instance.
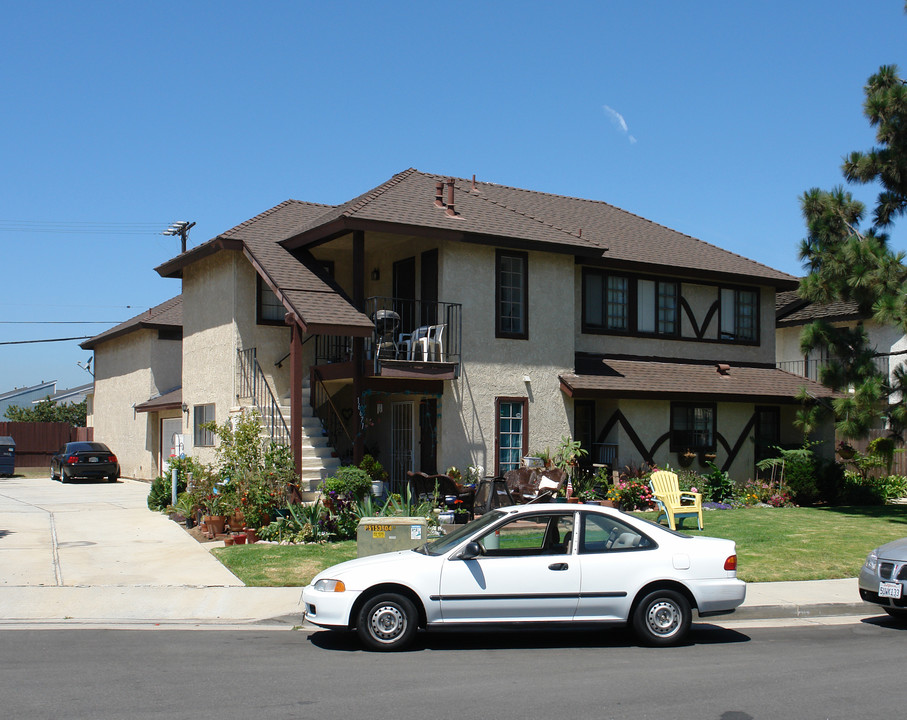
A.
x: 618, y: 121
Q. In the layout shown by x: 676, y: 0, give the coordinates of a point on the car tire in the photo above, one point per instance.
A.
x: 63, y: 477
x: 113, y: 478
x: 899, y: 614
x: 387, y: 622
x: 662, y: 618
x: 53, y: 475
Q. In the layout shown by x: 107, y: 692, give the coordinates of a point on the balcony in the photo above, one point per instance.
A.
x: 412, y: 338
x: 811, y: 368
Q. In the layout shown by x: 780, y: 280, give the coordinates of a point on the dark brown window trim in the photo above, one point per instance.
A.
x: 633, y: 310
x: 498, y: 331
x: 497, y: 428
x: 259, y: 320
x: 679, y: 447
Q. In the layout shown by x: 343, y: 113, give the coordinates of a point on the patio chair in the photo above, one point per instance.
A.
x: 673, y: 504
x: 432, y: 344
x: 523, y: 483
x: 407, y: 342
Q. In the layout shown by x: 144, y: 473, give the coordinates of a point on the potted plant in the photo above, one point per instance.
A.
x: 686, y: 457
x: 845, y: 450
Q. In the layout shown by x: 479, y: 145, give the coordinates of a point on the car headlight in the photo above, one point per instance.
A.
x: 872, y: 560
x: 325, y: 585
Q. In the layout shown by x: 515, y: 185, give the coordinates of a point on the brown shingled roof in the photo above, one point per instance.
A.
x: 514, y: 216
x: 643, y: 379
x: 167, y: 315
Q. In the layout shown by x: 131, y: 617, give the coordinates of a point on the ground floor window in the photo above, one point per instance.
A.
x: 511, y: 432
x: 692, y: 427
x: 202, y: 437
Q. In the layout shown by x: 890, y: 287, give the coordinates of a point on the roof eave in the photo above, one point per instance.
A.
x: 173, y: 268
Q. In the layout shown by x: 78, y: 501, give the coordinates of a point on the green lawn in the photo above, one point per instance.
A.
x: 772, y: 544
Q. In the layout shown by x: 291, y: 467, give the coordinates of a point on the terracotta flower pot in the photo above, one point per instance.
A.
x: 216, y: 524
x: 238, y: 538
x: 228, y: 541
x: 251, y: 535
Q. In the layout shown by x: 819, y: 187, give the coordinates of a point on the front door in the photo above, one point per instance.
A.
x: 405, y: 293
x: 171, y: 441
x: 402, y: 442
x: 428, y: 436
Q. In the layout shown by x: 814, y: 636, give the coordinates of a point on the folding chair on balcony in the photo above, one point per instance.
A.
x: 431, y: 344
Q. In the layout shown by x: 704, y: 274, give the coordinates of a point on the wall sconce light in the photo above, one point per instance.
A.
x: 376, y: 274
x: 186, y: 409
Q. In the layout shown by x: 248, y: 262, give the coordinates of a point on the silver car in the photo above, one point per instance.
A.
x: 883, y: 576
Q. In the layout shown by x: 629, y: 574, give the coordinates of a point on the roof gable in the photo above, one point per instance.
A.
x: 167, y: 315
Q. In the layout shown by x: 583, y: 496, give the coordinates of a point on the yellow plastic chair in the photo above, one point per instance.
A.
x: 670, y: 500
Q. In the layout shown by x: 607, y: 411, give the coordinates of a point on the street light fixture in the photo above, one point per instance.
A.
x: 181, y: 228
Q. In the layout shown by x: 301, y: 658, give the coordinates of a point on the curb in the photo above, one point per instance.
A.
x: 775, y: 612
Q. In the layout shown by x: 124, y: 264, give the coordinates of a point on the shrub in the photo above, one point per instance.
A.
x: 375, y: 469
x: 348, y: 480
x: 161, y: 493
x: 718, y: 485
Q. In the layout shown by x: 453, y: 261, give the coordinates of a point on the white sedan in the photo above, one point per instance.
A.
x: 542, y: 564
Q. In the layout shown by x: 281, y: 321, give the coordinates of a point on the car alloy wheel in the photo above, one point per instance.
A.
x: 662, y: 617
x: 387, y: 622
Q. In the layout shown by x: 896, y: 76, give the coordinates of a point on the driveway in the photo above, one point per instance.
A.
x: 90, y: 553
x: 96, y: 533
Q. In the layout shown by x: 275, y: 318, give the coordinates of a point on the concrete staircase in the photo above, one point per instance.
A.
x: 318, y: 457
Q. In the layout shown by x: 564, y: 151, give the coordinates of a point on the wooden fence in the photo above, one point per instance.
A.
x: 898, y: 467
x: 36, y: 442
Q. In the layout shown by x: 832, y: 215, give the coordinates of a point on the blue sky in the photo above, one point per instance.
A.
x: 119, y: 118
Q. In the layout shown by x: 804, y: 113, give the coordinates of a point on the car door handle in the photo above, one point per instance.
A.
x: 558, y: 566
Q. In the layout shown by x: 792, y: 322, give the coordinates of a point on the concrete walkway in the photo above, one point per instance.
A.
x: 93, y: 553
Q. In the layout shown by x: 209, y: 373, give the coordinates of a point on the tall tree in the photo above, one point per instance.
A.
x: 846, y: 263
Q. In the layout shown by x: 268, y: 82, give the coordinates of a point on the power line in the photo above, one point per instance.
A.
x: 60, y: 322
x: 29, y: 342
x: 77, y: 227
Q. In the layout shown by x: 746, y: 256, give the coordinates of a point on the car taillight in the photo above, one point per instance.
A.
x: 72, y: 460
x: 111, y: 458
x: 731, y: 563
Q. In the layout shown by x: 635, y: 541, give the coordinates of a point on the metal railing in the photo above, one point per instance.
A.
x: 397, y: 319
x: 811, y: 368
x: 253, y: 385
x: 339, y: 435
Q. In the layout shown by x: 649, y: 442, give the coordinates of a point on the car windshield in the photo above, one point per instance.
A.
x: 446, y: 543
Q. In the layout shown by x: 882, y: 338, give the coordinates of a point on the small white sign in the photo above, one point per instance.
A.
x: 415, y: 532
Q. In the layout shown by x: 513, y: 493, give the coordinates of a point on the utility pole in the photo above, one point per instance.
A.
x: 182, y: 229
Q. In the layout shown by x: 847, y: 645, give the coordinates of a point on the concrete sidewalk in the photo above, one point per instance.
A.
x: 93, y: 553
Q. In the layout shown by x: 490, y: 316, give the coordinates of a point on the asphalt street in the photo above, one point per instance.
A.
x: 830, y: 669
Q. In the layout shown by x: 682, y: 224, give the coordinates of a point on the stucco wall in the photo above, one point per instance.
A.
x: 496, y: 367
x: 210, y: 339
x: 128, y: 371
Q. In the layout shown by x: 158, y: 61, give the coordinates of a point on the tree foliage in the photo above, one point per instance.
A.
x: 848, y: 264
x: 47, y: 411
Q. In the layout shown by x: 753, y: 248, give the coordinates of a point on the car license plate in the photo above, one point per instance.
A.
x: 890, y: 590
x: 94, y: 459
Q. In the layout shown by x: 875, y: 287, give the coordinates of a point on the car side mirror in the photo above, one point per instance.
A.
x: 471, y: 551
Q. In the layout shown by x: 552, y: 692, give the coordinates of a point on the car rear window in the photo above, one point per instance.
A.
x: 87, y: 447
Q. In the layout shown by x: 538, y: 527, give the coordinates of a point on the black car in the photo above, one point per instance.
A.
x: 84, y: 460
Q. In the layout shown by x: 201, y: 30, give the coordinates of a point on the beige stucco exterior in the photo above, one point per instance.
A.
x: 129, y: 370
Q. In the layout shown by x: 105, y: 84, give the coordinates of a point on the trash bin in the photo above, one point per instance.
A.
x: 386, y: 534
x: 7, y: 456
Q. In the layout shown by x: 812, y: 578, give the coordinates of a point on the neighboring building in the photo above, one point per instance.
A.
x: 71, y: 396
x: 437, y: 322
x: 793, y: 313
x: 24, y: 397
x: 136, y: 406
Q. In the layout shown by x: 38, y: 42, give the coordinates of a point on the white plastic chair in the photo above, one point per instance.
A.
x: 432, y: 344
x: 407, y: 342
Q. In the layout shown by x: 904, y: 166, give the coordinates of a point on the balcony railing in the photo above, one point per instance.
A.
x: 405, y: 330
x: 811, y: 368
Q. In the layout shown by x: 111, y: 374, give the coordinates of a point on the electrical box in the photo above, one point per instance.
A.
x: 376, y: 535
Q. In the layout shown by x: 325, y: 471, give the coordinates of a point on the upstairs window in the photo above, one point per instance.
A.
x: 606, y: 302
x: 739, y: 315
x: 269, y: 310
x: 511, y: 295
x: 658, y: 306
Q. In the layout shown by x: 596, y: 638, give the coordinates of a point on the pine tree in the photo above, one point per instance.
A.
x: 846, y: 263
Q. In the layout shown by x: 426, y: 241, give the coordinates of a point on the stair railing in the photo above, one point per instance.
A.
x: 337, y: 431
x: 254, y: 385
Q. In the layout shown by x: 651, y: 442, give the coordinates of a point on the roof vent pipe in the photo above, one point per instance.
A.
x: 450, y: 198
x: 723, y: 368
x: 439, y: 194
